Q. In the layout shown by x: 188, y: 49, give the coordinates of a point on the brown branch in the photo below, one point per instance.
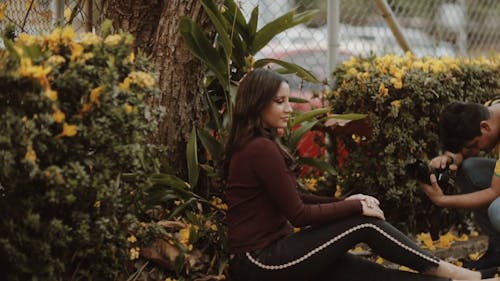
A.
x: 27, y: 14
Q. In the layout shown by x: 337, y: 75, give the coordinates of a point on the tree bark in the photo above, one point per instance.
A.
x: 155, y: 25
x: 138, y: 17
x: 180, y: 80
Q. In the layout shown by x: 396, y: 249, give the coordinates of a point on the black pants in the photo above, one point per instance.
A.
x: 321, y: 253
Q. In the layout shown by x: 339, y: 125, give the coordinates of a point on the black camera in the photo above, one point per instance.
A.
x: 421, y: 172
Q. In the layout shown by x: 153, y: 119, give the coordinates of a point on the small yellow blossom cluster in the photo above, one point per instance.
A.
x: 184, y: 235
x: 311, y: 183
x: 445, y: 241
x: 139, y: 78
x: 134, y: 253
x: 216, y: 201
x: 211, y: 226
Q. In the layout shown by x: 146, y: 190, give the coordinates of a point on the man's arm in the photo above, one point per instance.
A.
x: 471, y: 200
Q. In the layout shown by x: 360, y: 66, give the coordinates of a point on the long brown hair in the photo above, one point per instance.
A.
x: 256, y: 90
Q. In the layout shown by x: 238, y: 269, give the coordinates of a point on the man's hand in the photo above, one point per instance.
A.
x: 447, y: 158
x: 434, y: 192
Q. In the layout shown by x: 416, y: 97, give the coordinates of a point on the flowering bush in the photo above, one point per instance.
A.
x: 403, y: 97
x: 73, y: 120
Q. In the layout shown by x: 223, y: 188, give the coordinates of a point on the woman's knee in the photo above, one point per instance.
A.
x: 494, y: 214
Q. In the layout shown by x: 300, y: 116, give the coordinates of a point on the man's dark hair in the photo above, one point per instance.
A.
x: 460, y: 123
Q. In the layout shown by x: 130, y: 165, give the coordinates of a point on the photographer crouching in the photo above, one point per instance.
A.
x: 465, y: 130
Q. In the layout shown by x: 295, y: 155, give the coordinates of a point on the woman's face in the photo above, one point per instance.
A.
x: 277, y: 112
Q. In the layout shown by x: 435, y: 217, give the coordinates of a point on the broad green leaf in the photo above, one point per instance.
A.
x: 234, y: 15
x: 318, y: 163
x: 298, y: 100
x: 348, y: 116
x: 270, y: 30
x: 9, y: 45
x: 215, y: 18
x: 309, y: 115
x: 214, y: 113
x: 192, y: 159
x: 169, y: 180
x: 180, y: 208
x: 290, y: 67
x: 214, y: 147
x: 200, y: 46
x: 300, y: 132
x: 252, y: 23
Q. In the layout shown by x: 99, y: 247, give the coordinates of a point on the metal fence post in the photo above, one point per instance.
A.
x: 389, y: 17
x: 59, y: 12
x: 333, y: 20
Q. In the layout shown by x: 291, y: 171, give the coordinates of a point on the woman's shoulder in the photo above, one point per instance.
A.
x: 260, y: 143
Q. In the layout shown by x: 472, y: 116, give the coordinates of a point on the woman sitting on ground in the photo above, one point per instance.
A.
x: 264, y: 203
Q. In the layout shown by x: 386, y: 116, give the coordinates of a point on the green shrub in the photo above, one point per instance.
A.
x: 403, y: 97
x: 73, y: 120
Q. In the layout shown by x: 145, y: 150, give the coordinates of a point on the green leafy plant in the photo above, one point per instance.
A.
x: 403, y: 97
x: 73, y: 120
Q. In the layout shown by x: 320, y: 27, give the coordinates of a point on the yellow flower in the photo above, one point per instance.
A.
x: 134, y: 253
x: 311, y: 184
x: 210, y: 225
x: 90, y: 39
x: 397, y: 83
x: 125, y: 85
x: 113, y: 40
x: 51, y: 94
x: 352, y: 71
x: 338, y: 191
x: 85, y: 108
x: 95, y: 94
x: 27, y: 69
x: 76, y: 51
x: 67, y: 34
x: 58, y: 115
x: 216, y: 201
x: 132, y: 239
x: 184, y: 235
x: 68, y: 130
x: 30, y: 154
x: 356, y: 138
x: 382, y: 90
x: 404, y: 268
x: 56, y: 60
x: 3, y: 8
x: 67, y: 14
x: 128, y: 108
x: 97, y: 204
x: 142, y: 79
x: 426, y: 239
x: 27, y: 39
x: 396, y: 103
x: 131, y: 57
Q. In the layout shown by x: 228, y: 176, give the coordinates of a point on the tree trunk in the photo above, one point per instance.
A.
x: 138, y: 17
x: 155, y: 25
x: 180, y: 80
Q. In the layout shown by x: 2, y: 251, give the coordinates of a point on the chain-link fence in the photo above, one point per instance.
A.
x: 41, y: 16
x: 431, y: 27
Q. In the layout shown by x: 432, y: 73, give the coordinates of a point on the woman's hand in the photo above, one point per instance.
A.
x: 372, y: 210
x: 370, y: 200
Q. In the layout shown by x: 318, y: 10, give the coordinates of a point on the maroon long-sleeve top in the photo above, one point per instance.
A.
x: 263, y: 199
